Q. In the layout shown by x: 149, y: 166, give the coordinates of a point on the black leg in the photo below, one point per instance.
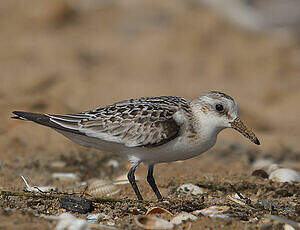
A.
x: 131, y: 179
x: 151, y: 181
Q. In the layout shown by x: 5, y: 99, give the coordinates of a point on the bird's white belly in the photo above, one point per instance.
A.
x: 179, y: 149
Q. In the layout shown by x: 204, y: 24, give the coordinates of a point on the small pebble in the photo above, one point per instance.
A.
x: 58, y: 164
x: 190, y: 189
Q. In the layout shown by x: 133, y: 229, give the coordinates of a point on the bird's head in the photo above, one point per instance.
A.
x: 221, y: 111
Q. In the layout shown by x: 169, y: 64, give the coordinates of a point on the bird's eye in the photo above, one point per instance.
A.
x: 219, y: 107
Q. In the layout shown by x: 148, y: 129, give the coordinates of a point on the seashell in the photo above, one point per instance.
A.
x: 68, y: 221
x: 272, y: 168
x: 121, y: 180
x: 190, y: 189
x: 213, y: 211
x: 183, y: 216
x: 158, y: 210
x: 64, y: 176
x: 152, y: 222
x: 260, y: 173
x: 99, y: 188
x: 285, y: 175
x: 262, y: 163
x: 94, y: 218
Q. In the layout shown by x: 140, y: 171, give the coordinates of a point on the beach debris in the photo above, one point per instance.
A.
x: 277, y: 219
x: 58, y: 164
x: 214, y: 211
x: 41, y: 189
x: 182, y: 217
x: 260, y: 173
x: 262, y: 163
x: 285, y: 175
x: 152, y: 222
x: 69, y: 222
x: 95, y: 218
x: 158, y: 210
x: 100, y: 188
x: 121, y: 180
x: 64, y: 176
x: 113, y: 163
x: 190, y: 189
x: 76, y: 204
x: 241, y: 200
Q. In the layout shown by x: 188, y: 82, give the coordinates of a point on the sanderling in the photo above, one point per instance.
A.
x: 150, y: 129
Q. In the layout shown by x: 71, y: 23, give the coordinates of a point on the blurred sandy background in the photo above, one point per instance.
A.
x: 70, y: 56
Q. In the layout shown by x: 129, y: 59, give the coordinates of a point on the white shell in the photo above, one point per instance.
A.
x: 262, y: 164
x: 271, y: 168
x: 285, y: 175
x: 213, y: 211
x: 152, y: 222
x: 69, y: 222
x: 99, y: 188
x: 183, y: 216
x: 190, y: 189
x: 64, y: 176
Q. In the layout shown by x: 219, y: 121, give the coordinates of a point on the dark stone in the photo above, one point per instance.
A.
x: 76, y: 204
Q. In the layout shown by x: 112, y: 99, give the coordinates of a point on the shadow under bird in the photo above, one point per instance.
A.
x: 150, y: 129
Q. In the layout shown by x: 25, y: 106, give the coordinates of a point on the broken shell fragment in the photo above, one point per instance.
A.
x: 190, y: 189
x: 158, y: 210
x: 213, y: 211
x: 152, y: 222
x: 99, y: 188
x: 38, y: 188
x: 183, y: 216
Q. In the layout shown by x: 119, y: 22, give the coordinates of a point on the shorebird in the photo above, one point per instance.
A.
x: 150, y: 129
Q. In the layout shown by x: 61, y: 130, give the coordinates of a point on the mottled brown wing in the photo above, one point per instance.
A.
x: 133, y: 133
x: 136, y: 122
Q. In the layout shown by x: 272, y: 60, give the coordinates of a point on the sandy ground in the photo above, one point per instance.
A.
x: 58, y: 57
